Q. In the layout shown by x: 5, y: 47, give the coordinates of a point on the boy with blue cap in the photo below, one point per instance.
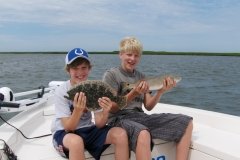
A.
x: 73, y: 128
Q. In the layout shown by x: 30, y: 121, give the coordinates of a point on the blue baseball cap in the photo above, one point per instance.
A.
x: 76, y: 53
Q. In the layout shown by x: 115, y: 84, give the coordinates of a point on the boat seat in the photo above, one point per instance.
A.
x: 213, y: 141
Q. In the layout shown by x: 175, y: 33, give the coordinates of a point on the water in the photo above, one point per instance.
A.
x: 209, y: 82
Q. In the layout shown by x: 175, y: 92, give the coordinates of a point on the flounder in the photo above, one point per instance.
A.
x: 95, y: 89
x: 155, y: 83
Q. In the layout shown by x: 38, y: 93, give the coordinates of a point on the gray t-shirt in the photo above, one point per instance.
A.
x: 64, y: 107
x: 115, y: 76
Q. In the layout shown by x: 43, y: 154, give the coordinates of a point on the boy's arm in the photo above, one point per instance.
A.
x: 151, y: 101
x: 70, y: 123
x: 100, y: 119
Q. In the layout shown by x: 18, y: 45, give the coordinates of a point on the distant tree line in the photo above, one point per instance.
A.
x: 144, y: 53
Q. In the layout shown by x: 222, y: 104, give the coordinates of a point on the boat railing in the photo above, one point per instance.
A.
x: 28, y: 93
x: 24, y: 100
x: 12, y: 102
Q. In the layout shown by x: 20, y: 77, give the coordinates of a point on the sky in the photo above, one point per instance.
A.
x: 99, y: 25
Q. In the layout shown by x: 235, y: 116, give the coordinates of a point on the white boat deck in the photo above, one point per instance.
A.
x: 215, y: 136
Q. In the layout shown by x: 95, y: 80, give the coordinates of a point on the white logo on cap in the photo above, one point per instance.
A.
x: 78, y: 53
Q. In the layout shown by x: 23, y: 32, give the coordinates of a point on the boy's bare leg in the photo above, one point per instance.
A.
x: 183, y: 145
x: 119, y: 138
x: 143, y: 149
x: 75, y: 145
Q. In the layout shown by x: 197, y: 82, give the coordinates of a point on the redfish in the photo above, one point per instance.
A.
x: 155, y: 83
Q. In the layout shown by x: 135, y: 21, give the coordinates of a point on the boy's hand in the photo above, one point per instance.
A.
x: 168, y: 84
x: 105, y: 103
x: 79, y: 102
x: 142, y: 87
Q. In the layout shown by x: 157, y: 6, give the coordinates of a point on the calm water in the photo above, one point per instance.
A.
x: 209, y: 82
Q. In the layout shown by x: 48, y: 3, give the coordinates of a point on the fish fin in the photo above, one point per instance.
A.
x: 67, y: 97
x: 122, y: 102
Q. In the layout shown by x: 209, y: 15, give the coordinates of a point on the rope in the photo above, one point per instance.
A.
x: 22, y: 132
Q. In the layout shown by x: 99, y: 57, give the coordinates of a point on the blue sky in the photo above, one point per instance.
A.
x: 99, y: 25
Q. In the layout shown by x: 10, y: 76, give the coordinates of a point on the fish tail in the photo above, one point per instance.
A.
x: 67, y: 97
x: 122, y: 102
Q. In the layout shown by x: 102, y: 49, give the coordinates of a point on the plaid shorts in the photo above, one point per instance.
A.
x: 165, y: 126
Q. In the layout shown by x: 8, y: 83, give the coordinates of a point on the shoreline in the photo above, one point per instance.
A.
x: 144, y: 53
